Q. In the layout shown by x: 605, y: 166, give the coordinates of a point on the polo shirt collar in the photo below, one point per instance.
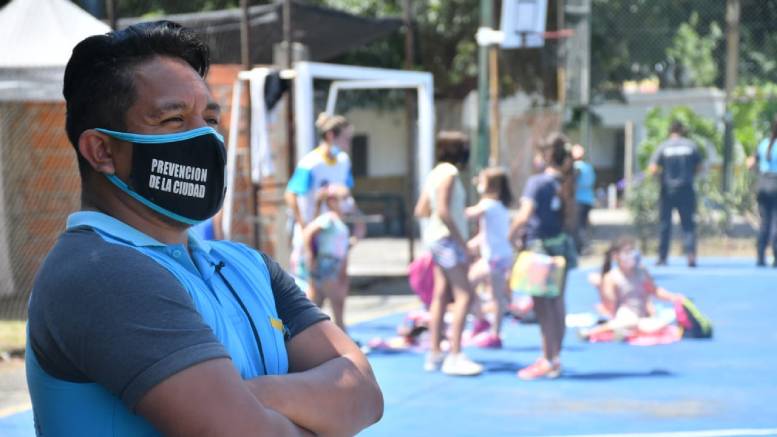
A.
x: 122, y: 231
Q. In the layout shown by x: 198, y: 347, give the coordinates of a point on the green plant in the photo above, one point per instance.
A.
x: 695, y: 53
x: 701, y: 130
x: 753, y: 112
x: 642, y: 203
x: 715, y: 209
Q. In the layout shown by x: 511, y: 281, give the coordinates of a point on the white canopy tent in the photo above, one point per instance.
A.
x: 36, y: 40
x: 344, y: 77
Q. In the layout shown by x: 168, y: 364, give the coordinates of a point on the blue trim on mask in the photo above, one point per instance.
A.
x: 162, y: 138
x: 126, y: 188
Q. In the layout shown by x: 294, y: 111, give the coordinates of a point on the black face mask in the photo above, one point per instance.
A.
x: 180, y: 175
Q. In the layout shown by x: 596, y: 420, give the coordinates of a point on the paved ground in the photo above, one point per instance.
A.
x: 722, y: 387
x: 13, y: 387
x: 378, y: 267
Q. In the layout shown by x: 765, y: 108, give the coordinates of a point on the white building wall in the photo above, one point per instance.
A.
x: 707, y: 102
x: 387, y: 136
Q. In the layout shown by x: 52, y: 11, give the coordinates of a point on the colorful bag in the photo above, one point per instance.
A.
x: 420, y: 275
x: 538, y: 274
x: 694, y: 323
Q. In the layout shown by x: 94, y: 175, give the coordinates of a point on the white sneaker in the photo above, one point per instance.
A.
x: 460, y: 365
x: 433, y: 361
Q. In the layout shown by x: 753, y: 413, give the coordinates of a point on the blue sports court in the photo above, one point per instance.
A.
x: 722, y: 387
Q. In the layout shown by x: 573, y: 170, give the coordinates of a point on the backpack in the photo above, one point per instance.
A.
x: 420, y: 275
x: 694, y: 323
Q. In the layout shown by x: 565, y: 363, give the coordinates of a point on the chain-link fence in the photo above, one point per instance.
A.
x: 651, y: 61
x: 39, y: 187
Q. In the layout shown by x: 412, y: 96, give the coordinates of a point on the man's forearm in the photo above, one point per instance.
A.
x: 337, y: 398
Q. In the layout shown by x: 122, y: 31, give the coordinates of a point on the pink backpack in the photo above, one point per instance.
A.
x: 420, y: 275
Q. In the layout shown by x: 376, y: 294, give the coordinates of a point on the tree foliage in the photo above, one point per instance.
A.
x: 702, y: 131
x: 693, y: 55
x: 753, y: 113
x: 638, y: 39
x: 716, y: 208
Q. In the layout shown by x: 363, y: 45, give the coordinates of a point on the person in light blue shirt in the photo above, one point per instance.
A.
x: 765, y: 160
x: 584, y: 194
x: 138, y: 327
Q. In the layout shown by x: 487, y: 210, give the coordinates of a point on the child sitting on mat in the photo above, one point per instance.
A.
x: 626, y: 289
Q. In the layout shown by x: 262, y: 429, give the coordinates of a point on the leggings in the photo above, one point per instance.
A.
x: 767, y: 208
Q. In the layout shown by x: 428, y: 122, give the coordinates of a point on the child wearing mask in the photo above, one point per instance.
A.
x: 326, y: 242
x: 496, y: 252
x: 626, y: 291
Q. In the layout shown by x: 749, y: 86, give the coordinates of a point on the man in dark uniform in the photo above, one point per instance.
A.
x: 678, y: 160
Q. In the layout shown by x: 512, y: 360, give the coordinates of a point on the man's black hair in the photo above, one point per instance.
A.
x: 98, y: 85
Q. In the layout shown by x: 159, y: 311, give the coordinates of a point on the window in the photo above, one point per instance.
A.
x: 359, y: 155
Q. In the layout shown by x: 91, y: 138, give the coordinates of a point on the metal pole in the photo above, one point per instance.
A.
x: 493, y: 88
x: 289, y: 43
x: 732, y: 60
x: 110, y: 7
x: 245, y: 36
x: 628, y: 159
x: 561, y: 74
x: 245, y: 59
x: 481, y: 152
x: 410, y: 121
x: 585, y: 77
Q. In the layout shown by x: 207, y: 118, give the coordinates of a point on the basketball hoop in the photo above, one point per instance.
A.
x: 559, y: 34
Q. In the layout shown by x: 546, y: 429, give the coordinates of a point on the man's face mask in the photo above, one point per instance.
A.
x: 179, y: 175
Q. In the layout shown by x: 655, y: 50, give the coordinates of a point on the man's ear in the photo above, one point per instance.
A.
x: 95, y: 147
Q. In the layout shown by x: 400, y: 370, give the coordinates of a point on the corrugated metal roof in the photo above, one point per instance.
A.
x: 326, y: 32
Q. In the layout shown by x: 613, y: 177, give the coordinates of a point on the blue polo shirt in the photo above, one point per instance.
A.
x: 113, y: 312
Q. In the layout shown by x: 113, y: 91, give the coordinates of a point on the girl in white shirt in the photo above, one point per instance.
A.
x: 496, y: 252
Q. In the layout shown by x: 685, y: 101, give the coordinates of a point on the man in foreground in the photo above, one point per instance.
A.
x: 137, y: 327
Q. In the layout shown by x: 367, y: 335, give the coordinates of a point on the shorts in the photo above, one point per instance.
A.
x: 447, y: 253
x: 327, y: 268
x: 500, y: 265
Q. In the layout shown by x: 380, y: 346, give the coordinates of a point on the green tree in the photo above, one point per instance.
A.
x: 716, y: 208
x: 701, y: 130
x: 753, y: 112
x: 630, y: 38
x: 694, y: 54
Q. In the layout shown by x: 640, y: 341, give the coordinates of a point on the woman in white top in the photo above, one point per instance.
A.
x: 442, y: 202
x: 496, y: 251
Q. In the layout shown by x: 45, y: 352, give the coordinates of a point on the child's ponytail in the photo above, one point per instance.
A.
x: 607, y: 265
x: 616, y: 246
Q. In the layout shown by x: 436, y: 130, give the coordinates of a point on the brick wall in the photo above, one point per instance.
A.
x: 40, y: 187
x: 273, y: 235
